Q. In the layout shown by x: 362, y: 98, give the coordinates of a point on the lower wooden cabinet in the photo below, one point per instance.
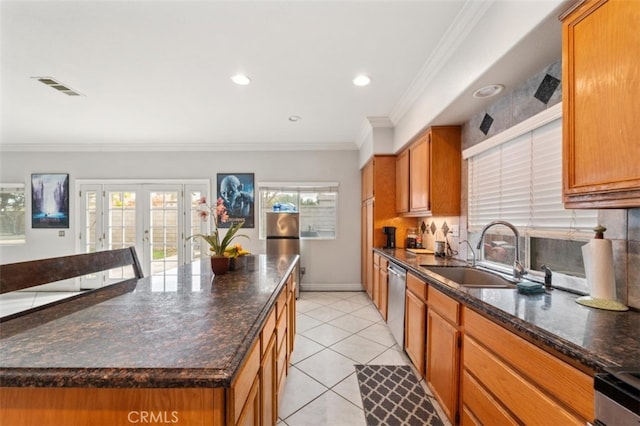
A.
x: 443, y: 351
x: 268, y: 379
x: 508, y: 380
x: 380, y: 287
x: 416, y: 322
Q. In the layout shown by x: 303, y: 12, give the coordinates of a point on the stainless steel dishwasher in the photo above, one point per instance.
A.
x: 395, y: 314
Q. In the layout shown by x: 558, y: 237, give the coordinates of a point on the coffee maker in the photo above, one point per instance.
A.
x: 390, y: 232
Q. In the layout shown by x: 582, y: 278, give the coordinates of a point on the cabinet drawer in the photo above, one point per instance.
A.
x: 480, y: 403
x: 267, y: 330
x: 448, y: 308
x: 566, y: 383
x: 417, y: 286
x: 281, y: 329
x: 376, y: 259
x: 384, y: 263
x: 245, y: 379
x: 281, y: 302
x: 520, y: 396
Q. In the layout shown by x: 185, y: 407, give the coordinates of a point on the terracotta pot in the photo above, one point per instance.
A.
x: 219, y: 265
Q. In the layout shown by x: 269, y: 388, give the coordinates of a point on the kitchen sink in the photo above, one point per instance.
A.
x: 471, y: 277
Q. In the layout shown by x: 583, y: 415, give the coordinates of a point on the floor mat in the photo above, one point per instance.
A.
x: 392, y: 395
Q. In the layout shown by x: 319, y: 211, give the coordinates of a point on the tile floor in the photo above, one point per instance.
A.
x: 335, y: 330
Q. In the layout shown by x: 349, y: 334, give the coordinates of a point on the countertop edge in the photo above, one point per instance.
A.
x: 574, y: 354
x: 123, y: 377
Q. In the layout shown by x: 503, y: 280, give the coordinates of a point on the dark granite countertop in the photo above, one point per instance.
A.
x: 182, y: 329
x: 588, y: 338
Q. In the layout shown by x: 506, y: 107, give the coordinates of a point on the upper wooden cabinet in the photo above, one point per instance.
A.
x: 402, y: 182
x: 430, y: 184
x: 601, y: 105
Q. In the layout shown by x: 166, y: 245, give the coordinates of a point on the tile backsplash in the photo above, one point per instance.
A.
x: 623, y: 229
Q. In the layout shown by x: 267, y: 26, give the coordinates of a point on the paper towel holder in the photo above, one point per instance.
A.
x: 601, y: 249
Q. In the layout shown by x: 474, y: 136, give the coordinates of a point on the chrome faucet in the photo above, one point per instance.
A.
x: 518, y: 270
x: 473, y: 262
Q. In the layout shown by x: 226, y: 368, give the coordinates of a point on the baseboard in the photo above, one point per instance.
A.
x: 331, y: 287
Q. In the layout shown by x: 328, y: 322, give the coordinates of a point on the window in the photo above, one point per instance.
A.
x: 517, y: 177
x: 316, y: 202
x: 12, y: 214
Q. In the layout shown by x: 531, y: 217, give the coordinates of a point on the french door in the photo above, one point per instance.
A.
x: 155, y: 218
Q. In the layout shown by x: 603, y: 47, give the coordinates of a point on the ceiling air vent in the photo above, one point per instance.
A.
x: 55, y: 84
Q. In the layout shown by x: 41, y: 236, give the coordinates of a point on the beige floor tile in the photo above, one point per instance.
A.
x: 305, y: 322
x: 299, y: 390
x: 330, y: 409
x: 349, y: 389
x: 359, y: 349
x: 327, y: 367
x: 379, y: 333
x: 351, y: 323
x: 304, y: 348
x: 325, y: 313
x: 326, y: 334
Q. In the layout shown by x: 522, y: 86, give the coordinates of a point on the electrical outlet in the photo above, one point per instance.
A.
x: 455, y: 230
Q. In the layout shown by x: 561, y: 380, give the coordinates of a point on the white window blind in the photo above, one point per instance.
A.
x: 520, y: 181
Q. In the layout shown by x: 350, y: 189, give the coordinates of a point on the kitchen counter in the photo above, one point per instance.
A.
x: 588, y: 338
x: 185, y: 328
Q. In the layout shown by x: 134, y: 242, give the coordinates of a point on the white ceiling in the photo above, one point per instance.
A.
x: 156, y: 74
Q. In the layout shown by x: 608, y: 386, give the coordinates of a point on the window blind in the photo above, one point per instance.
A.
x: 520, y: 181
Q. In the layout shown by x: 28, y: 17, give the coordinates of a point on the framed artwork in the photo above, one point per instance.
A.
x: 237, y: 192
x: 50, y: 200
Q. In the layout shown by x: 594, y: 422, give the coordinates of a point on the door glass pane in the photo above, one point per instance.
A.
x: 90, y: 211
x: 197, y: 247
x: 163, y: 228
x: 121, y: 227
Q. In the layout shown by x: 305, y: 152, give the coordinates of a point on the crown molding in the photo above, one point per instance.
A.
x: 179, y: 147
x: 465, y: 21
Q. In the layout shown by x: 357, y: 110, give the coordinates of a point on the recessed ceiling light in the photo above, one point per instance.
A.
x: 362, y: 80
x: 294, y: 118
x: 488, y: 91
x: 241, y: 79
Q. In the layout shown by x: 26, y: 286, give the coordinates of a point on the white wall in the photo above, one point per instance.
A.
x: 326, y: 262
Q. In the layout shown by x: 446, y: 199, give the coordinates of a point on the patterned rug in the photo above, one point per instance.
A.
x: 392, y: 395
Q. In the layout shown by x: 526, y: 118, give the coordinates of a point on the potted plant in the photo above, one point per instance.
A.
x: 218, y: 245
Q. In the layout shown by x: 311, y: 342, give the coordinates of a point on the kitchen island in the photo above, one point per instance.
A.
x: 181, y: 348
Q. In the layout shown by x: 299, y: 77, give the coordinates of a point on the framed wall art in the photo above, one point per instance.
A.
x: 50, y: 200
x: 237, y: 191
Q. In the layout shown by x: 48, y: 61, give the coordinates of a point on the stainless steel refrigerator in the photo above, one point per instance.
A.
x: 283, y: 237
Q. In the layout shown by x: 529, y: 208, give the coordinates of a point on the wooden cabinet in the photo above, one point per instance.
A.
x: 243, y: 397
x: 268, y: 379
x: 430, y: 185
x: 380, y: 289
x: 383, y: 288
x: 378, y: 210
x: 443, y: 350
x: 601, y: 105
x: 416, y: 322
x: 402, y: 182
x: 508, y: 380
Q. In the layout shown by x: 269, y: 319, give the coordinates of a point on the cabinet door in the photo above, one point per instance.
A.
x: 367, y: 181
x: 601, y: 105
x: 384, y: 288
x: 402, y: 182
x: 368, y: 247
x: 376, y: 281
x: 268, y: 384
x: 443, y: 356
x: 419, y: 174
x: 250, y: 415
x: 415, y: 325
